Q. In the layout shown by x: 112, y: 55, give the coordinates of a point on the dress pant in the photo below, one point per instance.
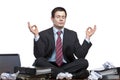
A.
x: 77, y: 67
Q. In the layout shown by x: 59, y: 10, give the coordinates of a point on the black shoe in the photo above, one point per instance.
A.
x: 83, y: 74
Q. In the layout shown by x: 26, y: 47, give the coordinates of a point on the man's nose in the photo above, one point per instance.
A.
x: 61, y: 19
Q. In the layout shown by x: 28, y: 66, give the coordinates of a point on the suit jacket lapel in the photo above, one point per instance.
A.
x: 52, y: 38
x: 64, y: 39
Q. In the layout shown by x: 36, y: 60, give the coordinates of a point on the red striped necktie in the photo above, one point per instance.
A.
x: 59, y: 53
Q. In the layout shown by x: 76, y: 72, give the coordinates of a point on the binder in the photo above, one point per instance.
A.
x: 32, y: 71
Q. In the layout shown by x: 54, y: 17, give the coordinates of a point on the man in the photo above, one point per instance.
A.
x: 56, y: 47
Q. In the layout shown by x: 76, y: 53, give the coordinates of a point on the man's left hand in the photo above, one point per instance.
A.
x: 90, y: 31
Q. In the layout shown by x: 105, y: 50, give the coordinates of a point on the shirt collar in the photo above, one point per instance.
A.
x: 55, y: 30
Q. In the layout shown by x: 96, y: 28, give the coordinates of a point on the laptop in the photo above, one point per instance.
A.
x: 8, y: 62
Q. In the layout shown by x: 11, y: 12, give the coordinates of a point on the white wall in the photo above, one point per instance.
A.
x: 16, y: 38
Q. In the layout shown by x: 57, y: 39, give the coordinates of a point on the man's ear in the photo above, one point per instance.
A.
x: 52, y: 18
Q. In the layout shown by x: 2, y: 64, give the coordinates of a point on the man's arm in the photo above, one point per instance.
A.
x: 39, y: 47
x: 82, y: 50
x: 38, y: 44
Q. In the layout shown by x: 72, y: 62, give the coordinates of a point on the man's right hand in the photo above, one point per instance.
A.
x: 33, y: 29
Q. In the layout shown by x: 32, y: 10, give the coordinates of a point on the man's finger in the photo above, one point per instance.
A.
x: 94, y: 27
x: 28, y: 24
x: 89, y: 29
x: 33, y: 27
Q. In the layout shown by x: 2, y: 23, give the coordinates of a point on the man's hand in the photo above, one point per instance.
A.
x: 33, y: 29
x: 90, y: 31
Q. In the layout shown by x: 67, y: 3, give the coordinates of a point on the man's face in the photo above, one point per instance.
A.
x: 59, y: 19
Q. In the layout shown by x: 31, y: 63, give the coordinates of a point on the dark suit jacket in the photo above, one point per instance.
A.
x: 45, y: 46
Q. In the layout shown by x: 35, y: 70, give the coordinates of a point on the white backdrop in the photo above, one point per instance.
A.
x: 15, y: 36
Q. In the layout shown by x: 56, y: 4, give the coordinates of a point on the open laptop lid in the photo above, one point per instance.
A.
x: 8, y: 62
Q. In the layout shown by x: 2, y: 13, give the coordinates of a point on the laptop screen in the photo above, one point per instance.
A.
x: 8, y: 62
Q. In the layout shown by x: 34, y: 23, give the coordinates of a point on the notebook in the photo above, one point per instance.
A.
x: 8, y: 62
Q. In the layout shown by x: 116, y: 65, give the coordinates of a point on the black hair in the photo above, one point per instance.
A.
x: 58, y: 9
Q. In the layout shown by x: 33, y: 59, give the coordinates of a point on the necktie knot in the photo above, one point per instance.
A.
x: 59, y: 33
